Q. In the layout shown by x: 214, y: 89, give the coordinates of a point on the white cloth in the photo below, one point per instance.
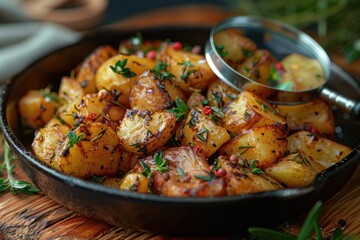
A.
x: 23, y: 41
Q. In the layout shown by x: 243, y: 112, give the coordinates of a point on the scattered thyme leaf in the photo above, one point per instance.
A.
x: 181, y: 110
x: 120, y: 68
x: 160, y: 162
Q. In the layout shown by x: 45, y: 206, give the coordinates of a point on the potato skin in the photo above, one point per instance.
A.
x: 88, y: 68
x: 151, y: 93
x: 324, y: 151
x: 36, y: 109
x: 314, y: 116
x: 135, y: 182
x: 248, y: 111
x: 219, y: 93
x: 106, y: 78
x: 264, y: 144
x: 294, y: 170
x: 192, y: 163
x: 237, y: 47
x: 98, y: 152
x: 199, y: 73
x: 241, y: 180
x: 142, y: 132
x: 257, y: 67
x: 70, y: 90
x: 198, y: 130
x: 47, y: 140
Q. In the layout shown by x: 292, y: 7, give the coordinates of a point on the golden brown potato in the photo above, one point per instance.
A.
x: 47, y: 140
x: 87, y: 70
x: 135, y: 182
x: 142, y: 132
x: 151, y: 93
x: 190, y: 70
x: 91, y: 149
x: 304, y: 73
x: 96, y: 107
x: 120, y: 79
x: 37, y: 107
x: 219, y: 93
x: 181, y: 172
x: 257, y: 67
x: 315, y: 116
x: 199, y: 130
x: 70, y: 90
x: 242, y: 179
x: 264, y: 144
x: 324, y: 151
x: 196, y: 99
x: 248, y: 111
x: 234, y: 46
x: 261, y: 91
x: 294, y: 170
x: 113, y: 182
x: 127, y: 162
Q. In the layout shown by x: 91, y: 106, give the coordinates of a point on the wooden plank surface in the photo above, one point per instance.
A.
x: 38, y: 217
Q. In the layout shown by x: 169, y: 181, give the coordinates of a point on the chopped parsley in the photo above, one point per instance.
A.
x: 255, y: 169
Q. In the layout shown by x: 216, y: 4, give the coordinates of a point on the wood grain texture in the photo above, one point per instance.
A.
x: 39, y: 217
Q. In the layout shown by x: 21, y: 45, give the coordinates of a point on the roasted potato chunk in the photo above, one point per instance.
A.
x: 190, y: 70
x: 196, y: 99
x: 294, y: 170
x: 248, y: 111
x: 315, y: 116
x: 242, y: 179
x: 47, y: 140
x: 264, y: 144
x: 91, y: 149
x: 152, y: 93
x: 219, y: 93
x: 112, y: 76
x: 258, y: 66
x: 181, y: 172
x: 199, y: 130
x: 37, y: 107
x: 234, y: 46
x: 324, y: 151
x: 142, y: 132
x: 87, y: 70
x: 136, y: 182
x: 70, y: 90
x: 304, y: 73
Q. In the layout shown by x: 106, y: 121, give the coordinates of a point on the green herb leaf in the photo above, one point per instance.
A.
x: 268, y: 234
x: 160, y: 162
x: 73, y: 139
x: 47, y: 94
x: 181, y: 172
x: 186, y: 70
x: 97, y: 179
x: 210, y: 176
x: 255, y: 169
x: 221, y: 50
x: 181, y: 110
x: 120, y: 68
x: 16, y: 186
x: 312, y: 217
x: 147, y: 170
x: 202, y: 134
x: 160, y: 70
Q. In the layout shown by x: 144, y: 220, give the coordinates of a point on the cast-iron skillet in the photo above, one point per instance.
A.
x: 157, y: 213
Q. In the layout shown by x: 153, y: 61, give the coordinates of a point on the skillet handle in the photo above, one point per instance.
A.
x: 348, y: 105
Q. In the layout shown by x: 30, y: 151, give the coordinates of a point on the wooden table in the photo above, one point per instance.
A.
x: 39, y: 217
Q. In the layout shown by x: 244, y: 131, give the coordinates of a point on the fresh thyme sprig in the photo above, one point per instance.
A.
x: 16, y: 186
x: 181, y: 110
x: 160, y: 162
x: 120, y: 68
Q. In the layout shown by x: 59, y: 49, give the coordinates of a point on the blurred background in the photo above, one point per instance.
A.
x: 334, y: 23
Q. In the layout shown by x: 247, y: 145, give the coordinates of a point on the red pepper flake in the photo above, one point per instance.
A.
x: 314, y: 130
x: 197, y: 148
x: 177, y: 46
x: 91, y: 117
x: 207, y: 110
x: 221, y: 172
x: 151, y: 54
x: 279, y: 67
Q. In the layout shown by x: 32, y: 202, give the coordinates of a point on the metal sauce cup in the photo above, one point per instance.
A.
x: 283, y: 39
